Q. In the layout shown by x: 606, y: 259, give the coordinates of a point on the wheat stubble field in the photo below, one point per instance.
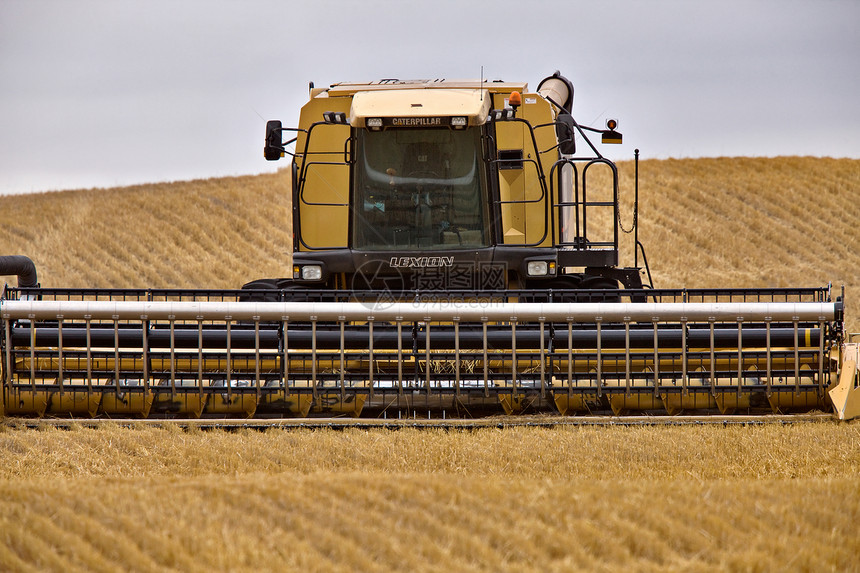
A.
x: 660, y: 498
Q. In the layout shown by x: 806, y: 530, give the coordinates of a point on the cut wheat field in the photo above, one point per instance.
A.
x: 691, y: 498
x: 661, y: 498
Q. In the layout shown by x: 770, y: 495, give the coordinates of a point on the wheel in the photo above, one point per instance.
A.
x: 603, y: 288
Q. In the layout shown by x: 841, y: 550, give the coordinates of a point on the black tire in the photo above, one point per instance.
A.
x: 260, y: 290
x: 603, y: 288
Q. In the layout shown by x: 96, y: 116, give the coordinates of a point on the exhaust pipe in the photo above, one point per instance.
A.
x: 557, y: 89
x: 21, y: 266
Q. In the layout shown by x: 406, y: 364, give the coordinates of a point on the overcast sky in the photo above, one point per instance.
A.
x: 107, y: 93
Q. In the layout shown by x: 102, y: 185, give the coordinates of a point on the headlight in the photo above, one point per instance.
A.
x: 458, y: 121
x: 338, y: 117
x: 311, y: 272
x: 374, y: 122
x: 537, y: 268
x: 501, y: 114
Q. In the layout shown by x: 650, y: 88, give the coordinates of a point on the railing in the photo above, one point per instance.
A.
x: 580, y: 205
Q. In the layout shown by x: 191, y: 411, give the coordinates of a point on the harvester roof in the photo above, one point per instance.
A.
x: 420, y: 107
x: 416, y: 100
x: 350, y: 88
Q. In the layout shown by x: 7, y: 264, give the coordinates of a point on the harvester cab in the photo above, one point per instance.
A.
x: 456, y: 253
x: 440, y: 185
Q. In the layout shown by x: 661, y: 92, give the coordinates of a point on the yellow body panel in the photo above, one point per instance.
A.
x: 25, y: 402
x: 513, y: 185
x: 72, y: 403
x: 570, y: 404
x: 845, y: 394
x: 334, y: 403
x: 787, y: 402
x: 526, y: 223
x: 536, y: 110
x: 232, y: 404
x: 126, y: 404
x: 324, y: 225
x: 515, y: 403
x: 181, y: 404
x: 297, y: 405
x: 621, y: 403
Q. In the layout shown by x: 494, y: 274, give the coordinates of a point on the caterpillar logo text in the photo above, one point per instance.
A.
x: 421, y: 262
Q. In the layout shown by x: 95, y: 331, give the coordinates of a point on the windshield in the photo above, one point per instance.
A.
x: 419, y: 189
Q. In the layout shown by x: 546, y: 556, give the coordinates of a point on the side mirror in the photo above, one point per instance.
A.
x: 564, y: 131
x: 274, y: 149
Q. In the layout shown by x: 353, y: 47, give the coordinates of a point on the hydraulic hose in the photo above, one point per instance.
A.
x: 21, y: 266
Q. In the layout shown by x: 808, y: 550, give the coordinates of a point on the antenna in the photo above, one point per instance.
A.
x: 481, y: 85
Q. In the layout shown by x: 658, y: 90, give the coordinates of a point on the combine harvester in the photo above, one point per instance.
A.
x: 456, y: 254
